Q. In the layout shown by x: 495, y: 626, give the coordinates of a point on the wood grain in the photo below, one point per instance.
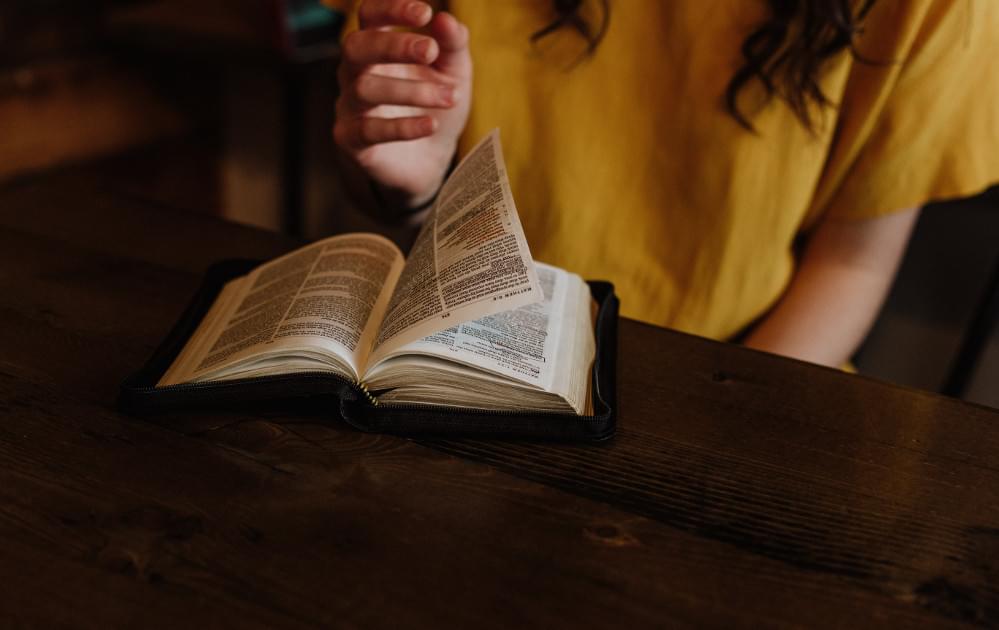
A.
x: 742, y: 490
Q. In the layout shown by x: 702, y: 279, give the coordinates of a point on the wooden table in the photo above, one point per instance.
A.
x: 742, y: 490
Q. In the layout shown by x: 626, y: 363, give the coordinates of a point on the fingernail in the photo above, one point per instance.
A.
x: 416, y: 11
x: 447, y: 94
x: 422, y: 49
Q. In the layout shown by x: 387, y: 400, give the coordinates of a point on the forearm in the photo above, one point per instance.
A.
x: 841, y: 283
x: 824, y: 315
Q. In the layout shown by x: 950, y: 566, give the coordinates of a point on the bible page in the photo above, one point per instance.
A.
x: 300, y: 312
x: 547, y: 345
x: 470, y: 260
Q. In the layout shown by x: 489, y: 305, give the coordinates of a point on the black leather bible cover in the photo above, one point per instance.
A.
x: 343, y: 399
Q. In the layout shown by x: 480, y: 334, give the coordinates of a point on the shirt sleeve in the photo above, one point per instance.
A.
x: 919, y: 117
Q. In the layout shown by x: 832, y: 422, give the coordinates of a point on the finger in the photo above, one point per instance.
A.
x: 365, y: 48
x: 363, y: 132
x: 370, y: 90
x: 379, y: 13
x: 452, y: 39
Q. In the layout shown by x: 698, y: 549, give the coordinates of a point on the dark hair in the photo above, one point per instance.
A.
x: 787, y: 53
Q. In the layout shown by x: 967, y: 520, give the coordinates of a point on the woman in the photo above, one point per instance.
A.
x: 738, y: 169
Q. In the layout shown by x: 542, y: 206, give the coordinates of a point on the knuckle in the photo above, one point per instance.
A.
x: 398, y: 10
x: 340, y: 134
x: 365, y: 12
x: 407, y: 128
x: 351, y: 46
x: 429, y: 93
x: 405, y: 47
x: 364, y: 87
x: 371, y: 8
x: 368, y: 131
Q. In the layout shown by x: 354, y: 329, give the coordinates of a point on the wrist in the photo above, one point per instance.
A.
x: 425, y: 199
x: 395, y: 203
x: 401, y: 203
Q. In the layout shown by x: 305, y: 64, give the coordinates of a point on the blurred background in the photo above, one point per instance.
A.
x: 224, y: 107
x: 221, y: 107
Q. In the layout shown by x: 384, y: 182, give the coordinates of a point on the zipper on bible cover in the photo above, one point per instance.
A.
x: 174, y: 393
x: 361, y: 409
x: 151, y: 397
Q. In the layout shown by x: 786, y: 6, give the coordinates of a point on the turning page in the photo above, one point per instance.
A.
x: 547, y: 346
x: 469, y: 261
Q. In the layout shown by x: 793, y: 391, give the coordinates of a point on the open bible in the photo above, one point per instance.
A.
x: 467, y: 319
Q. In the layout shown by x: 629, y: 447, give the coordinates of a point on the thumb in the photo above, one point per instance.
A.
x: 452, y: 39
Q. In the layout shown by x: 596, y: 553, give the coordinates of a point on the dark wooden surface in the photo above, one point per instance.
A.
x: 742, y: 490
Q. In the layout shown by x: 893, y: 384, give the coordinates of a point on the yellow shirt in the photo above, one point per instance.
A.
x: 626, y: 166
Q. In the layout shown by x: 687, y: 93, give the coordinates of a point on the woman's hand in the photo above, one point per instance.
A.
x: 404, y: 96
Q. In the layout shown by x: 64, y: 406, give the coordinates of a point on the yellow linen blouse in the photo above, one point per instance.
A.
x: 625, y: 165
